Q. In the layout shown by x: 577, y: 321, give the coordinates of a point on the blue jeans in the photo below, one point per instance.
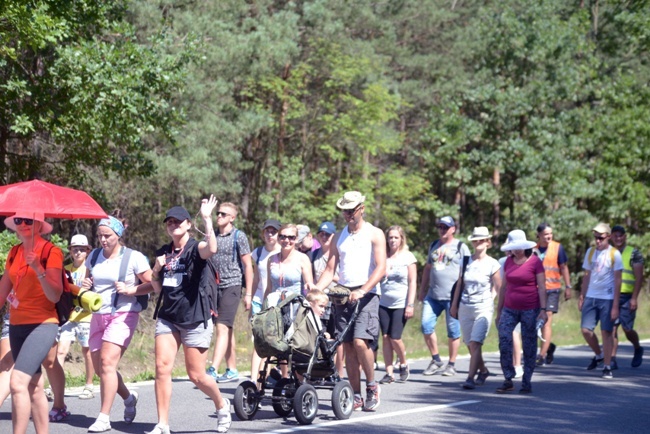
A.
x: 431, y: 310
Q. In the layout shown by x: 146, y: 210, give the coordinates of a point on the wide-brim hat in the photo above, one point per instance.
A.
x: 517, y: 241
x: 480, y: 233
x: 350, y: 200
x: 46, y: 228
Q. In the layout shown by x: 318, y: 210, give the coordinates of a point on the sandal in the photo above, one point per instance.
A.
x: 58, y: 414
x: 87, y: 393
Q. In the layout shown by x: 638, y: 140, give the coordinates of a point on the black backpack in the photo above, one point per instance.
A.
x: 65, y: 305
x: 143, y: 300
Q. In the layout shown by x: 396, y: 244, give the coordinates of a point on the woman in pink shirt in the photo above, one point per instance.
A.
x: 522, y: 299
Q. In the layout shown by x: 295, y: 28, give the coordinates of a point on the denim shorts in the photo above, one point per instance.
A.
x: 71, y: 330
x: 431, y: 310
x: 595, y: 310
x: 625, y: 315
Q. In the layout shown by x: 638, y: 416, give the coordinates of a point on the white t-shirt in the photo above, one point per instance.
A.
x: 601, y: 272
x: 106, y: 272
x: 262, y: 270
x: 395, y: 286
x: 477, y: 281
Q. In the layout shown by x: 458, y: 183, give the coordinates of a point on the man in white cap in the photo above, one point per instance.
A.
x: 440, y: 273
x: 599, y: 296
x: 359, y: 250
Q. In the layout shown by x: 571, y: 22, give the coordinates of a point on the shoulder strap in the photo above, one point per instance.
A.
x: 124, y: 264
x: 314, y: 253
x: 591, y: 254
x: 612, y: 256
x: 94, y: 255
x: 460, y: 244
x: 45, y: 253
x: 432, y: 245
x: 235, y: 245
x: 12, y: 254
x: 258, y: 251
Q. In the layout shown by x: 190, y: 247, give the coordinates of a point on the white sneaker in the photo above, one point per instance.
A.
x: 519, y: 372
x: 159, y: 429
x: 130, y: 410
x: 100, y: 426
x: 224, y: 419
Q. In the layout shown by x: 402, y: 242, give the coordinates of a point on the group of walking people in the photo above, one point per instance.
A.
x: 376, y: 267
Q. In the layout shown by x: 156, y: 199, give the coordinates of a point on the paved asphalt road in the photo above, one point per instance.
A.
x: 566, y: 398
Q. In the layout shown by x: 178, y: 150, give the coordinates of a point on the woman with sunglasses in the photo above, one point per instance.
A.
x: 113, y: 325
x: 32, y: 289
x: 289, y: 270
x: 397, y: 301
x: 184, y: 318
x: 522, y: 299
x: 479, y: 284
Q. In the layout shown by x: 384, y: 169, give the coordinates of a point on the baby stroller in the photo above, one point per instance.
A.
x: 290, y: 334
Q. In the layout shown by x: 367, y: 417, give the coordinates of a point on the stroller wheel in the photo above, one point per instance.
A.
x: 283, y: 394
x: 246, y: 400
x: 305, y: 404
x: 342, y: 400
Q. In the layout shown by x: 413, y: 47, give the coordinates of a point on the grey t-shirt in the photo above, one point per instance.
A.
x: 230, y: 273
x: 445, y: 261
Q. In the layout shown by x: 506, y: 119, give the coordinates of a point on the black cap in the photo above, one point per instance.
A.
x: 271, y: 223
x: 619, y: 228
x: 179, y: 213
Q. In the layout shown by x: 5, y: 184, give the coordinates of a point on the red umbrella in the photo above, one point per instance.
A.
x: 52, y: 200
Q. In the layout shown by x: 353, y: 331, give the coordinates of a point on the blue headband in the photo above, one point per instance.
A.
x: 114, y: 224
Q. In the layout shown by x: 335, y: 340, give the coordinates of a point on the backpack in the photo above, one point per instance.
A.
x: 270, y: 327
x: 611, y: 255
x: 65, y: 305
x: 143, y: 300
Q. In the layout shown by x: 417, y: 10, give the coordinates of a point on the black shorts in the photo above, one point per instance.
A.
x: 30, y: 344
x: 392, y: 322
x: 229, y: 301
x: 553, y: 301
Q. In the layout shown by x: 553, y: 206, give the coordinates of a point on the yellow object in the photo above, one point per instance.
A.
x: 88, y: 300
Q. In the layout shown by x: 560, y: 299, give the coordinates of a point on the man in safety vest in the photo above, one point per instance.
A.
x: 630, y: 288
x: 554, y: 259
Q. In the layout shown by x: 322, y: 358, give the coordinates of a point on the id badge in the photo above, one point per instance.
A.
x: 174, y: 280
x: 13, y: 301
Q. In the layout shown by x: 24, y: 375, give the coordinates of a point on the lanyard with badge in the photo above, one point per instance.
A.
x: 172, y: 278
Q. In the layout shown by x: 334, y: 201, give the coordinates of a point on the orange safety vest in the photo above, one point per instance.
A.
x: 551, y: 267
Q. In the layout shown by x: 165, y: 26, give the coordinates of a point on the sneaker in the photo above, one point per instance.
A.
x: 404, y: 373
x: 228, y: 376
x: 607, y: 373
x: 58, y: 414
x: 519, y: 371
x: 224, y: 419
x: 613, y: 365
x: 469, y: 384
x: 481, y: 377
x: 433, y: 368
x: 87, y: 393
x: 595, y: 362
x: 387, y: 379
x: 376, y: 366
x: 129, y: 409
x: 540, y: 361
x: 100, y: 426
x: 550, y: 353
x: 507, y: 386
x: 212, y: 373
x: 526, y: 390
x: 49, y: 394
x: 449, y: 371
x: 358, y: 403
x: 372, y: 398
x: 159, y: 429
x: 637, y: 359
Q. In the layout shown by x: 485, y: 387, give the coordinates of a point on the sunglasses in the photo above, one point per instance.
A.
x: 351, y: 211
x: 287, y: 237
x: 442, y: 227
x: 20, y: 221
x: 78, y: 249
x: 601, y: 238
x: 222, y: 214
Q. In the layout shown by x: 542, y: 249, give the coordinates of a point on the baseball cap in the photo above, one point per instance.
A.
x: 303, y: 231
x: 447, y: 221
x: 179, y: 213
x: 271, y: 223
x: 327, y: 227
x: 602, y: 228
x: 618, y: 228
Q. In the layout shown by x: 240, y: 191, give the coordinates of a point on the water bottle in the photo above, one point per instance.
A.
x: 539, y: 325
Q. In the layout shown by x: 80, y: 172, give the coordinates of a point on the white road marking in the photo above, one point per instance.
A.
x: 370, y: 417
